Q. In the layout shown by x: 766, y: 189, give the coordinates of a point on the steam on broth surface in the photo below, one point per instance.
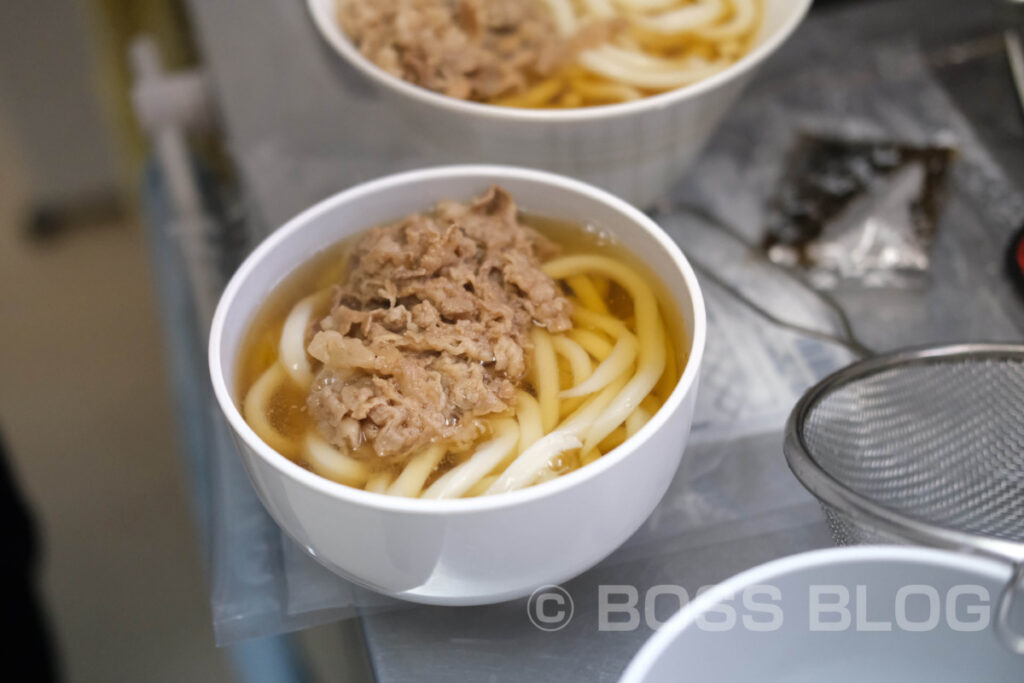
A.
x: 552, y: 53
x: 467, y: 350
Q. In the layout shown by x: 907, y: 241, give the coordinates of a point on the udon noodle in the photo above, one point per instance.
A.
x: 588, y: 383
x: 552, y: 53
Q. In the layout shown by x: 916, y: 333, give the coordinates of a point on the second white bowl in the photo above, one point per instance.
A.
x: 886, y: 614
x: 637, y: 150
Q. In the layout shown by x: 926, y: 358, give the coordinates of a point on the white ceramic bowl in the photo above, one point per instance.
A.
x: 477, y: 550
x: 943, y: 633
x: 637, y: 150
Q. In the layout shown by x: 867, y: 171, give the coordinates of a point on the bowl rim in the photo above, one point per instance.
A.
x: 656, y: 646
x: 490, y: 173
x: 329, y: 30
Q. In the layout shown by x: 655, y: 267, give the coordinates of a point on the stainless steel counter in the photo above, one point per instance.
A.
x: 301, y: 126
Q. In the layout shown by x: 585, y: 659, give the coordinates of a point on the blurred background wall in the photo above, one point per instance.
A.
x: 85, y: 401
x: 65, y: 95
x: 49, y: 102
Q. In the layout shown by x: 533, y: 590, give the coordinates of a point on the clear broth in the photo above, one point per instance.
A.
x: 287, y: 409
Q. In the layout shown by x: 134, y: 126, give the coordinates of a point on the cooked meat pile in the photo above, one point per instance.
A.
x: 470, y: 49
x: 430, y: 332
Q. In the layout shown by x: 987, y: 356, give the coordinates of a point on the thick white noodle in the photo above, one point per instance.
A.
x: 649, y: 332
x: 545, y: 377
x: 647, y: 5
x: 292, y: 348
x: 599, y: 9
x: 580, y: 368
x: 531, y: 425
x: 577, y: 357
x: 525, y: 469
x: 460, y: 479
x: 564, y: 15
x: 602, y: 322
x: 379, y: 483
x: 638, y: 59
x: 481, y: 486
x: 329, y: 462
x: 637, y: 419
x: 617, y: 362
x: 410, y: 482
x: 254, y: 407
x: 594, y: 344
x: 547, y: 474
x: 605, y: 91
x: 699, y: 14
x: 588, y: 295
x: 612, y: 65
x: 742, y: 21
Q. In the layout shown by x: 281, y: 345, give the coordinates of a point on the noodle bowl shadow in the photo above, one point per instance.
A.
x: 636, y: 150
x: 473, y: 550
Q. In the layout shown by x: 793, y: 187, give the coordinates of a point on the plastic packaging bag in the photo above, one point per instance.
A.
x: 858, y: 210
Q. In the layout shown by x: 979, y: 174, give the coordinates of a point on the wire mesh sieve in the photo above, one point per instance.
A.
x: 923, y: 446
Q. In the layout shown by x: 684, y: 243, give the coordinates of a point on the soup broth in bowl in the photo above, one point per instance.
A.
x: 552, y: 53
x: 462, y: 351
x: 553, y: 365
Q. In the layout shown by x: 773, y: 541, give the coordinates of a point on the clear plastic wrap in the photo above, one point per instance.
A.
x: 858, y: 211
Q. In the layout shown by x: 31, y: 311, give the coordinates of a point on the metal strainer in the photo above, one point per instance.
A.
x: 922, y: 446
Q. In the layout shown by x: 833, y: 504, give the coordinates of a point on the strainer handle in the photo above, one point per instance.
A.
x: 1011, y: 638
